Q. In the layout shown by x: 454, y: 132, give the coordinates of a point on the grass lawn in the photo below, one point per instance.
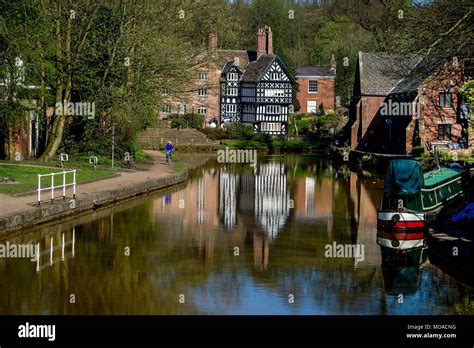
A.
x: 179, y: 163
x: 26, y: 176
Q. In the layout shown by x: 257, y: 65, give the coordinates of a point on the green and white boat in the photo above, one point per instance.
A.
x: 412, y: 199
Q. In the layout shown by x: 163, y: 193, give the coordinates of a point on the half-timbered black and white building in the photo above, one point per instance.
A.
x: 259, y: 93
x: 266, y: 95
x: 230, y: 93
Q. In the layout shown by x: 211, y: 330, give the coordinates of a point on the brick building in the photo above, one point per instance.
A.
x: 315, y: 87
x: 253, y: 87
x: 402, y: 103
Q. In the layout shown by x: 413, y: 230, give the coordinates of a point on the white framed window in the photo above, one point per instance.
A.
x: 313, y: 86
x: 232, y: 91
x: 202, y: 92
x: 273, y: 109
x: 276, y: 76
x: 232, y: 76
x: 274, y: 93
x: 202, y: 76
x: 231, y: 108
x: 202, y: 110
x: 270, y: 126
x: 312, y: 106
x: 182, y: 109
x: 167, y: 108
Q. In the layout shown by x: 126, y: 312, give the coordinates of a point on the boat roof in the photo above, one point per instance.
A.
x: 438, y: 176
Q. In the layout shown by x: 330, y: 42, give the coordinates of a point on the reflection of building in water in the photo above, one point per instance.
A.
x: 228, y: 185
x: 271, y: 197
x: 309, y: 202
x: 261, y: 251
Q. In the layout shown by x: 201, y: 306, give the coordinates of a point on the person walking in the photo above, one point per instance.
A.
x: 169, y: 151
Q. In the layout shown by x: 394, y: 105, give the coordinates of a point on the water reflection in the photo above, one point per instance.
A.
x: 232, y: 240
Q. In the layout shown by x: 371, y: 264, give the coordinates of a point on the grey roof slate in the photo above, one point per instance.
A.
x: 314, y: 71
x: 380, y: 72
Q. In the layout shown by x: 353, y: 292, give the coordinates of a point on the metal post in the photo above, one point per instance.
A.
x: 74, y: 184
x: 52, y: 188
x: 64, y: 185
x: 113, y: 144
x: 39, y: 189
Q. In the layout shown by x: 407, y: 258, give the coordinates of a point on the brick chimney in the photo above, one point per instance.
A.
x: 269, y: 39
x: 261, y: 43
x: 212, y: 42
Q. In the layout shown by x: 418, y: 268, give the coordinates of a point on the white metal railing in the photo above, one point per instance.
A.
x: 52, y: 187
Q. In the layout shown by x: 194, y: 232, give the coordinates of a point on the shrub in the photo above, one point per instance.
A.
x: 186, y: 121
x: 417, y: 151
x: 237, y: 130
x: 214, y: 133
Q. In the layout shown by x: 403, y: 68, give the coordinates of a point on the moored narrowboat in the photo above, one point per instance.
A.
x: 411, y: 200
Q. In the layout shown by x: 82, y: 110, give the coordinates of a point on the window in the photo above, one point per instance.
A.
x: 166, y: 91
x: 313, y: 86
x: 274, y: 93
x: 182, y: 109
x: 276, y: 76
x: 231, y: 108
x: 270, y: 127
x: 167, y: 108
x: 202, y: 110
x: 202, y: 76
x: 273, y: 109
x: 232, y: 76
x: 445, y: 99
x: 312, y: 106
x: 232, y: 91
x: 202, y: 92
x: 444, y: 132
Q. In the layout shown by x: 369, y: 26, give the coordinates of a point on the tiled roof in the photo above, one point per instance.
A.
x: 313, y: 71
x: 256, y: 69
x: 380, y: 72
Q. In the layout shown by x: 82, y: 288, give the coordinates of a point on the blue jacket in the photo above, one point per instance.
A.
x: 169, y: 147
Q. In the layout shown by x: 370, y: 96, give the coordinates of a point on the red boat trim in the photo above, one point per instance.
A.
x: 400, y: 224
x: 401, y: 235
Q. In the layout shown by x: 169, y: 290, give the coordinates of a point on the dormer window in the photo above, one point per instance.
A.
x: 276, y: 76
x: 202, y: 76
x: 232, y: 76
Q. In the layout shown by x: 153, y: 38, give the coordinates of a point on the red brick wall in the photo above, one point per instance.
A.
x: 431, y: 114
x: 366, y: 110
x: 324, y: 95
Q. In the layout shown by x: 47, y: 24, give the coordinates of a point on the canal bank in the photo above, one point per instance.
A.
x: 22, y: 212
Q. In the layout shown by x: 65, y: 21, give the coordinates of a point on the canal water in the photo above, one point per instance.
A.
x: 234, y: 239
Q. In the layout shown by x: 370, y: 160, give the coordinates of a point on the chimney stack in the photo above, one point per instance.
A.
x: 212, y: 48
x: 269, y: 39
x: 236, y: 61
x: 261, y: 43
